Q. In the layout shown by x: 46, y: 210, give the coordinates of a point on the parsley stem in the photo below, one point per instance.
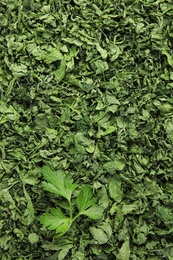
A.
x: 76, y: 217
x: 71, y: 210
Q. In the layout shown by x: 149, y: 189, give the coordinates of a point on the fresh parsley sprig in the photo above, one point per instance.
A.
x: 62, y: 185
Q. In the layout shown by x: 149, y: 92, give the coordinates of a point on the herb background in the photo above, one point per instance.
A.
x: 86, y: 87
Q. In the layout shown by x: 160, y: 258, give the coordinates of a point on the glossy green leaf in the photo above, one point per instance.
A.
x: 56, y: 220
x: 58, y: 183
x: 86, y: 204
x: 85, y: 199
x: 94, y: 212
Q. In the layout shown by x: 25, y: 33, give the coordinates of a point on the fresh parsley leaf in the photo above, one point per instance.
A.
x: 58, y: 183
x: 86, y: 204
x: 94, y: 212
x: 63, y: 185
x: 56, y: 220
